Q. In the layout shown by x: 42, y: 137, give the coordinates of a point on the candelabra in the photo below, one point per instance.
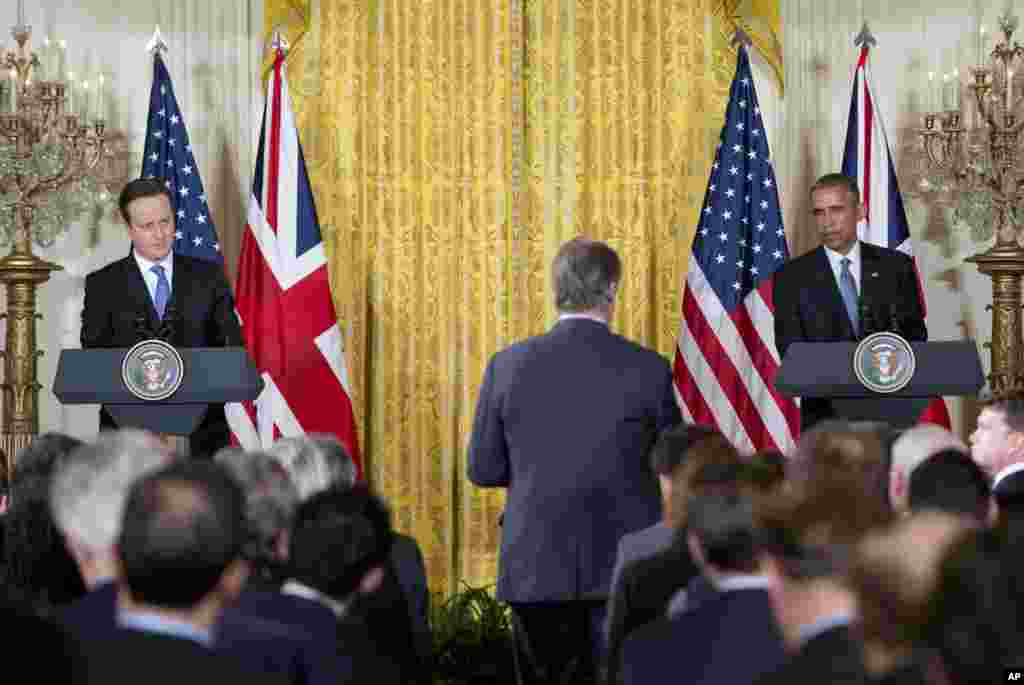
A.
x: 981, y: 161
x: 48, y: 156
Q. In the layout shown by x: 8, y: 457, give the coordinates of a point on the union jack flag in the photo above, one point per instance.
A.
x: 283, y: 295
x: 726, y: 359
x: 866, y: 158
x: 168, y: 156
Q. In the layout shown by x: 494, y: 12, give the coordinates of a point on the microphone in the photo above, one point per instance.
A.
x: 868, y: 325
x: 142, y: 328
x: 168, y: 325
x: 895, y: 320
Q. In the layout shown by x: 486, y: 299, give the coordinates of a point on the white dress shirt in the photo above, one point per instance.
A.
x: 835, y: 261
x: 146, y: 266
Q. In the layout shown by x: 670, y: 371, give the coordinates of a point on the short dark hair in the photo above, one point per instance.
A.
x: 141, y: 187
x: 585, y: 273
x: 950, y: 481
x: 721, y: 515
x: 670, y: 449
x: 183, y: 526
x: 838, y: 181
x: 338, y: 536
x: 1010, y: 404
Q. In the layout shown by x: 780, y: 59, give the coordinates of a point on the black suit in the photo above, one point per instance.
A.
x: 809, y: 308
x: 833, y: 657
x: 118, y: 311
x: 132, y: 656
x: 730, y: 638
x: 565, y: 421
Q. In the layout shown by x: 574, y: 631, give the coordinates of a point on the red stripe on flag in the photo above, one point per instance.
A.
x: 869, y: 132
x: 688, y: 390
x: 725, y: 373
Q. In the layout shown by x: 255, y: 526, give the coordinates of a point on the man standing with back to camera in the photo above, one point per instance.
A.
x: 565, y: 421
x: 822, y: 295
x: 130, y: 299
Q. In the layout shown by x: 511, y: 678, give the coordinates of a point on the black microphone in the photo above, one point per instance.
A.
x: 143, y: 331
x: 868, y: 325
x: 895, y: 320
x: 168, y: 325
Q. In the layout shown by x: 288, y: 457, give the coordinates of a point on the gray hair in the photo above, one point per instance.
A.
x: 315, y: 462
x: 919, y: 442
x: 270, y: 497
x: 585, y: 274
x: 91, y: 483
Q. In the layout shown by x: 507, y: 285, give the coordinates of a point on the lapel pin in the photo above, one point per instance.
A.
x: 874, y: 274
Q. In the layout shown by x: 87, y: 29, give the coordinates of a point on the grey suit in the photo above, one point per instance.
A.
x: 565, y: 422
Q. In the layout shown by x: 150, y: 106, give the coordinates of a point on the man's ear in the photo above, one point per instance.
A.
x: 233, y: 579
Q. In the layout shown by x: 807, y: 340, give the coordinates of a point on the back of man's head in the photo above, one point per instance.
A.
x: 673, y: 444
x: 704, y: 450
x: 270, y: 500
x: 91, y: 483
x: 183, y: 526
x: 841, y: 449
x: 952, y: 482
x: 721, y: 519
x: 338, y: 537
x: 910, y: 449
x: 315, y: 462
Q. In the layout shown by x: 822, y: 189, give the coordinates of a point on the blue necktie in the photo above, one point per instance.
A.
x: 848, y: 289
x: 163, y: 290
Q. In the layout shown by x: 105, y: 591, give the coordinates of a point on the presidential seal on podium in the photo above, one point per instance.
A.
x: 884, y: 362
x: 152, y: 370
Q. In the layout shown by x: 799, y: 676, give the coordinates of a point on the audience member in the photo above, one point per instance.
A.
x: 338, y: 555
x: 38, y: 570
x: 180, y: 547
x: 997, y: 444
x: 647, y: 584
x: 842, y: 449
x: 975, y: 619
x: 952, y: 482
x: 318, y: 462
x: 723, y: 537
x: 894, y: 573
x: 810, y: 535
x: 912, y: 447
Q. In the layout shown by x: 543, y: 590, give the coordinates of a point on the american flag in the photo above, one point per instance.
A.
x: 169, y: 156
x: 284, y: 298
x: 726, y: 359
x: 866, y: 158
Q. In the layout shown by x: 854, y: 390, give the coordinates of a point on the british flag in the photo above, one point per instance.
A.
x: 283, y: 295
x: 866, y: 158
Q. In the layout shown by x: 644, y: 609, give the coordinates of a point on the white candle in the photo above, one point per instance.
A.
x: 956, y: 89
x: 21, y: 12
x: 62, y: 52
x: 945, y: 92
x: 1009, y: 90
x: 100, y: 98
x: 44, y: 61
x: 981, y: 46
x: 71, y: 93
x: 929, y: 100
x: 85, y: 101
x: 14, y: 90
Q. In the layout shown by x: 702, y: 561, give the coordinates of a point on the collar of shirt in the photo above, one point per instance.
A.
x: 591, y: 317
x: 812, y: 630
x: 1008, y: 471
x: 835, y: 261
x: 741, y: 581
x: 154, y: 623
x: 145, y: 267
x: 297, y: 589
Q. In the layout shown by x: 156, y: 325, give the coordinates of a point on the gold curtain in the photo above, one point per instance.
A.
x: 453, y: 145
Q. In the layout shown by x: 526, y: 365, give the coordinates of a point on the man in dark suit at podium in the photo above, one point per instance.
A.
x: 566, y: 421
x: 846, y: 289
x: 153, y: 289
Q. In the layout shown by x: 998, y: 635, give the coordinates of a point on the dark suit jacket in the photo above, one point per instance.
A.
x: 643, y: 593
x: 565, y: 421
x: 303, y: 652
x: 831, y: 657
x: 411, y: 573
x: 809, y: 308
x: 639, y: 544
x: 731, y: 638
x: 131, y: 656
x: 117, y: 304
